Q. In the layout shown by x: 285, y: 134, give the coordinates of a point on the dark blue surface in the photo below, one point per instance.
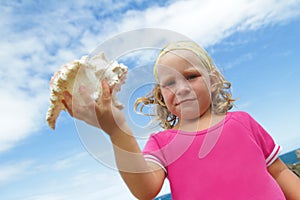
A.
x: 164, y: 197
x: 290, y: 157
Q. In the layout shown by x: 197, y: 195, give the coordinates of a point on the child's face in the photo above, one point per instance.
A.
x: 184, y: 84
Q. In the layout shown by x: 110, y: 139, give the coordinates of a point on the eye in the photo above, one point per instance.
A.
x: 192, y: 76
x: 168, y: 83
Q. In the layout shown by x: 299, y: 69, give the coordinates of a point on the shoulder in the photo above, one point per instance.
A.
x: 243, y: 119
x: 242, y: 116
x: 239, y: 114
x: 165, y: 135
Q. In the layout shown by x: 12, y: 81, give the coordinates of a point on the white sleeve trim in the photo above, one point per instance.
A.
x: 151, y: 158
x: 274, y: 155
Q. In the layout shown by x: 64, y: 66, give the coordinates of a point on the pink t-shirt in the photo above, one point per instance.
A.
x: 227, y: 161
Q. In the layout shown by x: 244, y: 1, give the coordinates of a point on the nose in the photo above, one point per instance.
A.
x: 182, y: 88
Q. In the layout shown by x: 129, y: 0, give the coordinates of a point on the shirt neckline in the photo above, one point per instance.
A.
x: 204, y: 131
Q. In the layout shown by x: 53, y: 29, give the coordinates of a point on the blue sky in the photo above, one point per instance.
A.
x: 255, y: 44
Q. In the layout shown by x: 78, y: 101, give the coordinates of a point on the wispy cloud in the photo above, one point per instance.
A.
x: 72, y: 177
x: 237, y: 62
x: 37, y: 37
x: 40, y: 36
x: 13, y: 171
x: 16, y: 170
x: 67, y: 162
x: 50, y: 196
x: 87, y: 182
x: 208, y: 22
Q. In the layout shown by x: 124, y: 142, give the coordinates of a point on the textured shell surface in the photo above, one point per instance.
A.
x: 86, y: 72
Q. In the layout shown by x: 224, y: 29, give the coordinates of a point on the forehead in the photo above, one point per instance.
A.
x: 180, y: 54
x: 178, y: 61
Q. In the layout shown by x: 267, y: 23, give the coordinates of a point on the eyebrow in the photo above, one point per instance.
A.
x: 193, y: 69
x: 167, y: 77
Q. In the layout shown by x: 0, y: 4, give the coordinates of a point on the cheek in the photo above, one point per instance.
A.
x: 202, y: 87
x: 167, y: 95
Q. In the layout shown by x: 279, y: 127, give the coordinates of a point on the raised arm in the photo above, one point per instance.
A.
x: 142, y: 178
x: 287, y: 180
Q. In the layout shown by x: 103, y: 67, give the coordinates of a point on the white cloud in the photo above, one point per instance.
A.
x: 86, y: 182
x: 46, y: 197
x: 72, y: 177
x: 66, y: 163
x: 17, y: 170
x: 237, y: 62
x: 91, y: 185
x: 12, y: 172
x: 29, y: 54
x: 20, y: 115
x: 39, y: 38
x: 208, y: 22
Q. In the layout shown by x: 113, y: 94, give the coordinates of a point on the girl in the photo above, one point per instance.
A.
x: 205, y: 151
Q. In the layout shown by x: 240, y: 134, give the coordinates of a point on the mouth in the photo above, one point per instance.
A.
x: 183, y: 101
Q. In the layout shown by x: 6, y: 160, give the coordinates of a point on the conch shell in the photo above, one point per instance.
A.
x: 88, y: 72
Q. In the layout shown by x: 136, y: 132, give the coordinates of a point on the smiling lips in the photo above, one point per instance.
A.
x: 184, y: 101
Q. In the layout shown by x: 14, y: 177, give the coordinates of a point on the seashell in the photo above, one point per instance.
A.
x: 88, y: 72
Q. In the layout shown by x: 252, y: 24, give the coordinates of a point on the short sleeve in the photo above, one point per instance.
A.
x: 269, y: 148
x: 152, y: 152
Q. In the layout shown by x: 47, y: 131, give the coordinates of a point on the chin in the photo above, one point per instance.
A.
x: 189, y: 116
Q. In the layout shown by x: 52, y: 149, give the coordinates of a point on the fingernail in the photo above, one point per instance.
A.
x: 104, y: 83
x: 65, y: 94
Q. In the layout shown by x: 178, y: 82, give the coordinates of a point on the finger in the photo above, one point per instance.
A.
x: 103, y: 106
x: 106, y: 93
x: 67, y: 101
x: 86, y: 95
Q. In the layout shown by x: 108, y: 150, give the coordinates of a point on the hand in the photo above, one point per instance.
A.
x: 103, y: 114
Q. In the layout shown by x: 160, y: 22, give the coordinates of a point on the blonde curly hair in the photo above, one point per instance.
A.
x: 221, y: 95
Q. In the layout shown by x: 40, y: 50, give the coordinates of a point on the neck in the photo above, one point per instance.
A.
x: 201, y: 123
